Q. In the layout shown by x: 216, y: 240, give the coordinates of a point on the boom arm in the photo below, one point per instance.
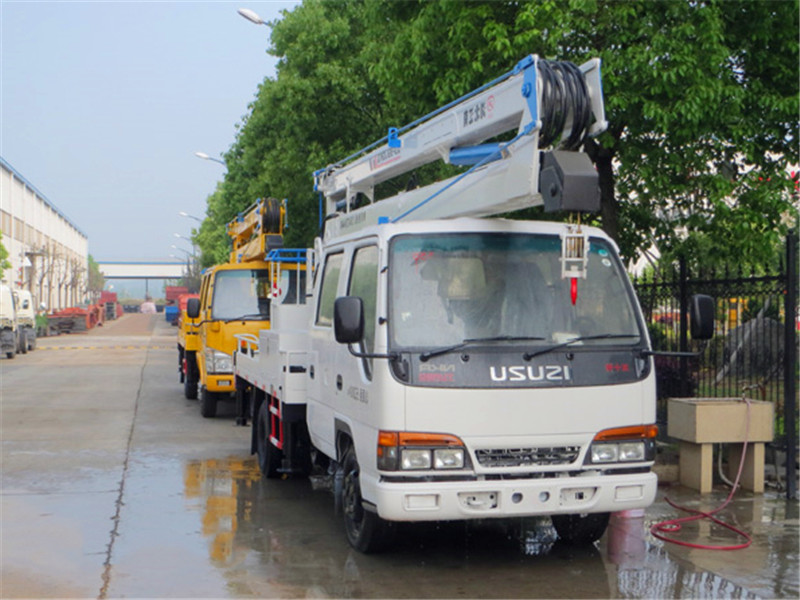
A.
x: 542, y: 101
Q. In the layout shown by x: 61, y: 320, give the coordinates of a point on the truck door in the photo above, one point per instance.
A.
x: 324, y: 356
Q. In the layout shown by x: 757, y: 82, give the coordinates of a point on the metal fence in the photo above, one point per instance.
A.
x: 754, y: 350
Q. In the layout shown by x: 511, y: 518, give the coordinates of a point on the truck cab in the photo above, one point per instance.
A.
x: 463, y: 377
x: 234, y: 299
x: 26, y: 319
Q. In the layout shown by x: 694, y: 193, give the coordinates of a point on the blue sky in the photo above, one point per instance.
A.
x: 103, y: 105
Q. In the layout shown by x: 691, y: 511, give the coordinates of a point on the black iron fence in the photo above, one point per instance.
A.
x: 755, y: 346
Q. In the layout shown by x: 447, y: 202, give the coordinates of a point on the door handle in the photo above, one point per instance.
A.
x: 339, y: 382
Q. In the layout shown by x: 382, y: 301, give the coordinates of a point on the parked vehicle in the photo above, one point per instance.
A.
x: 9, y: 327
x: 26, y: 320
x: 448, y: 367
x: 235, y: 298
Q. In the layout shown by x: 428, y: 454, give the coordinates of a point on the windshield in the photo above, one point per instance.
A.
x: 241, y: 293
x: 447, y: 288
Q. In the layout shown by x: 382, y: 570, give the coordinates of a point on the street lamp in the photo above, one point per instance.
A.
x: 186, y: 252
x: 251, y: 16
x: 185, y: 214
x: 205, y: 156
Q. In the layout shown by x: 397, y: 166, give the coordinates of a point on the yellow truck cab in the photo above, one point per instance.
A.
x: 235, y: 298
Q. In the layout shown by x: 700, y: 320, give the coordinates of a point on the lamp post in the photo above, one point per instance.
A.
x: 205, y: 156
x: 251, y: 16
x: 183, y: 213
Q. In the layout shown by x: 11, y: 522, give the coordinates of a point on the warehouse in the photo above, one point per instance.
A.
x: 48, y: 253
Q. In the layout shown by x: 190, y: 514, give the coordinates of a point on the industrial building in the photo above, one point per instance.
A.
x: 49, y: 254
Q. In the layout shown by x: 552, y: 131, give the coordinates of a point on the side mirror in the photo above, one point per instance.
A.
x: 701, y: 317
x: 193, y: 308
x: 348, y: 319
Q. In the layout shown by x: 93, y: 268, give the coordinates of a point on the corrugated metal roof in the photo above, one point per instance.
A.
x: 44, y: 198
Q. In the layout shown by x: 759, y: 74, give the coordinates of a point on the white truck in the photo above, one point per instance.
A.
x: 447, y: 367
x: 9, y: 326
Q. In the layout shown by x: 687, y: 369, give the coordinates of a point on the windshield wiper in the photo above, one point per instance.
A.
x: 466, y: 342
x: 249, y: 317
x: 582, y: 338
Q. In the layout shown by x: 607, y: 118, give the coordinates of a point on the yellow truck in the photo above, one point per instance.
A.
x: 235, y: 299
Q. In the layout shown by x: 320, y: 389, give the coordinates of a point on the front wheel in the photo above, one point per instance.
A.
x: 366, y: 531
x: 190, y: 377
x: 23, y: 342
x: 269, y: 457
x: 208, y: 403
x: 578, y: 530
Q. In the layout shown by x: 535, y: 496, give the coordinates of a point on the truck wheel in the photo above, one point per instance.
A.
x: 366, y: 531
x: 577, y: 530
x: 11, y: 354
x: 208, y: 403
x: 269, y: 457
x: 190, y: 379
x: 181, y: 366
x: 23, y: 342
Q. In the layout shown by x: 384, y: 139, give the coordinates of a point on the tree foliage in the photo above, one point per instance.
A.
x: 701, y: 97
x: 4, y: 262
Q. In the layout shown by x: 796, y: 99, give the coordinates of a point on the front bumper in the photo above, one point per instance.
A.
x: 460, y: 500
x: 220, y: 383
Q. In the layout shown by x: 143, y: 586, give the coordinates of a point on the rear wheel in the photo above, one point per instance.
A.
x: 269, y: 457
x: 23, y: 342
x: 366, y: 531
x: 578, y: 530
x: 208, y: 403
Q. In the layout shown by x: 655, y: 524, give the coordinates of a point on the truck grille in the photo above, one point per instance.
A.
x: 524, y: 457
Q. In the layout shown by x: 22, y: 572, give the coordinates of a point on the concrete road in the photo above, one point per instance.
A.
x: 113, y: 485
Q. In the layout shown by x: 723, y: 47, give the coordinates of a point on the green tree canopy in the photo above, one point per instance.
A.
x: 701, y: 97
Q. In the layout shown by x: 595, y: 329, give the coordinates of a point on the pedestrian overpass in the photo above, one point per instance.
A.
x: 141, y: 271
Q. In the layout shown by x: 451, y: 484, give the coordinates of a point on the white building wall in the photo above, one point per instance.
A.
x: 49, y: 255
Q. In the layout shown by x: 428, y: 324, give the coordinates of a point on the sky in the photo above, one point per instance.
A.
x: 103, y: 105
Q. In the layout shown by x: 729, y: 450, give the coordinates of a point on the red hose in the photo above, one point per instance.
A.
x: 674, y: 525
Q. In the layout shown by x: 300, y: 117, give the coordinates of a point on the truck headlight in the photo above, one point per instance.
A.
x: 218, y: 362
x: 623, y: 444
x: 411, y: 451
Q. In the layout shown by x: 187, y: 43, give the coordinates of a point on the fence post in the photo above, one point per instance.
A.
x: 684, y: 332
x: 790, y: 364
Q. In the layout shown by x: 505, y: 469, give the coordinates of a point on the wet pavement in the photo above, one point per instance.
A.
x: 113, y: 485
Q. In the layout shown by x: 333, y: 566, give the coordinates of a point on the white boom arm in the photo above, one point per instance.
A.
x: 534, y: 99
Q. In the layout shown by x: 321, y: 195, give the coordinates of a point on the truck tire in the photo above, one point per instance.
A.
x: 579, y: 530
x: 269, y: 457
x: 366, y: 531
x: 208, y: 403
x: 23, y: 342
x: 11, y: 354
x: 190, y: 378
x: 181, y: 366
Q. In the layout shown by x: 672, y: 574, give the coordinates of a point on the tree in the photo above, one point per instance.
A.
x: 96, y: 278
x: 701, y: 96
x: 4, y: 262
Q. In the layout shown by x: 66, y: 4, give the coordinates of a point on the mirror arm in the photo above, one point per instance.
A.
x: 357, y: 354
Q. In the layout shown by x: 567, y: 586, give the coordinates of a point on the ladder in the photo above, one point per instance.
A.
x: 552, y: 106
